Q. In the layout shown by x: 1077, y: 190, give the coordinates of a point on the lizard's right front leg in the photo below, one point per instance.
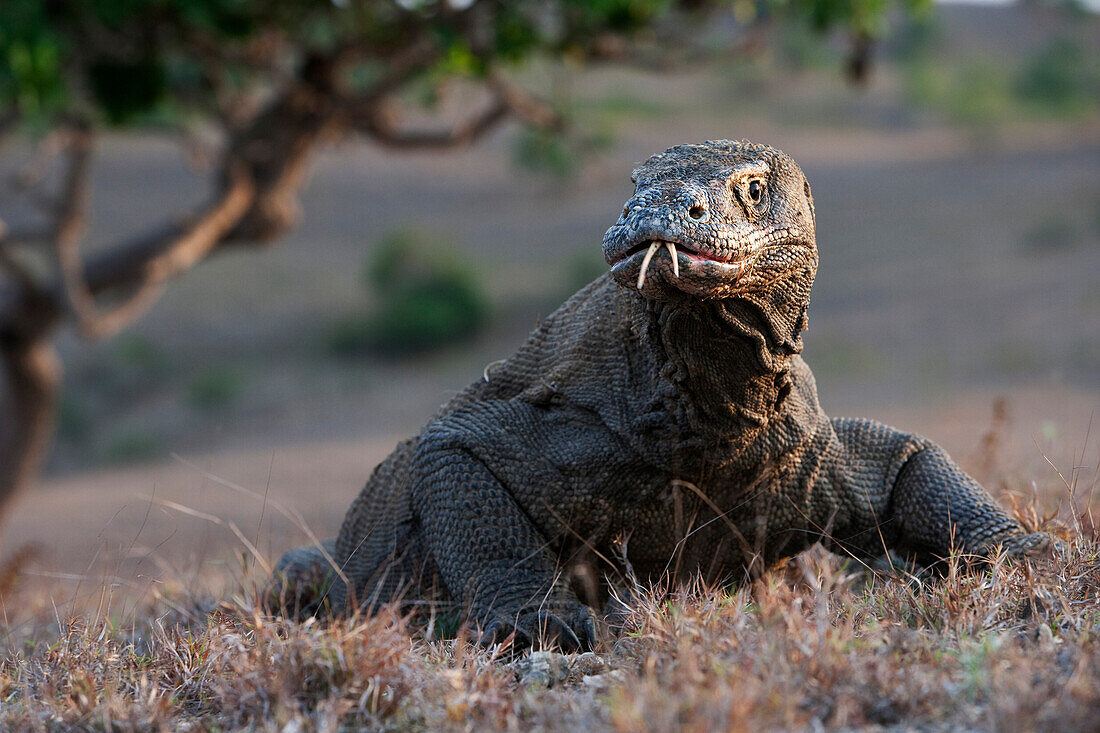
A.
x: 489, y: 552
x: 906, y: 492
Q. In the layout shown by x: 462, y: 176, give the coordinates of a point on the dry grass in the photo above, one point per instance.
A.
x: 818, y: 643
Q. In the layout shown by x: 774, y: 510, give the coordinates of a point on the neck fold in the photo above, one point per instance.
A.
x: 729, y: 360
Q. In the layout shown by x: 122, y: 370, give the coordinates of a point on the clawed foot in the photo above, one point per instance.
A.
x: 301, y: 583
x: 541, y: 629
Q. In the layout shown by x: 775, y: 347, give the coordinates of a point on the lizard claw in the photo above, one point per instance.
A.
x: 590, y: 633
x: 553, y: 632
x: 501, y: 632
x: 543, y: 630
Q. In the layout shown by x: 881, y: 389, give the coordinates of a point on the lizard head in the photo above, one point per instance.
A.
x: 713, y: 221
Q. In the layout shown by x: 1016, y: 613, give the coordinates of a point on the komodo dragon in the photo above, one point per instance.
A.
x: 661, y: 418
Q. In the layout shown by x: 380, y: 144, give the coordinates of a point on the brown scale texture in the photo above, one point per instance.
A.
x: 665, y: 430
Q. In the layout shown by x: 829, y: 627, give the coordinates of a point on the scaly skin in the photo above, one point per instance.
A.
x: 662, y: 418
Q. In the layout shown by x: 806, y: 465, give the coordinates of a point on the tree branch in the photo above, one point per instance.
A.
x: 379, y: 126
x: 148, y: 266
x: 32, y: 173
x: 14, y: 267
x: 401, y: 68
x: 261, y: 172
x: 69, y: 228
x: 528, y: 108
x: 144, y: 264
x: 371, y: 117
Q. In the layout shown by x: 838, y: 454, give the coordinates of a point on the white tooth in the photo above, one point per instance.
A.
x: 645, y: 262
x: 675, y: 262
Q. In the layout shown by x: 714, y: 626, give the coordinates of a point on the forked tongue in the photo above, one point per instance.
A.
x: 655, y: 245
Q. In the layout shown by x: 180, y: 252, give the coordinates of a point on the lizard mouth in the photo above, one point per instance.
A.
x: 679, y: 254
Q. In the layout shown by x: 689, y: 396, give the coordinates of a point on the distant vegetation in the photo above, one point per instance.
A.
x: 215, y: 388
x: 543, y: 152
x: 1051, y: 233
x: 427, y: 297
x: 134, y: 446
x: 1061, y: 80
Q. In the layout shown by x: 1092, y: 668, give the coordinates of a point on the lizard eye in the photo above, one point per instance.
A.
x: 756, y: 191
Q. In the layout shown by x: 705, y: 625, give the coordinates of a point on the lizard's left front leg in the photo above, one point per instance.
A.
x: 493, y: 491
x: 907, y: 492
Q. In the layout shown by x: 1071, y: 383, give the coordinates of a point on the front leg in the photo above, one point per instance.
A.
x: 906, y: 492
x: 489, y: 550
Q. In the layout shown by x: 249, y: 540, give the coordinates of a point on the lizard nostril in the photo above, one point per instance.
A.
x: 626, y: 211
x: 697, y: 211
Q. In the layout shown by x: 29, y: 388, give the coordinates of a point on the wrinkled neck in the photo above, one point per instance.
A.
x: 729, y: 360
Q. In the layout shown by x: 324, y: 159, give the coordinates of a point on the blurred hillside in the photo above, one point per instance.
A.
x: 958, y: 221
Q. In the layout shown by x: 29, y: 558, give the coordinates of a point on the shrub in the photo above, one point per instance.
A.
x: 73, y: 421
x: 980, y: 95
x: 1061, y: 77
x: 545, y: 152
x: 427, y: 298
x: 1050, y: 234
x: 975, y: 96
x: 215, y: 388
x: 803, y: 49
x: 133, y: 446
x: 141, y: 355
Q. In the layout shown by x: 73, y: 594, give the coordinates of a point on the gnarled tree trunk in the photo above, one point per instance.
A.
x: 32, y: 374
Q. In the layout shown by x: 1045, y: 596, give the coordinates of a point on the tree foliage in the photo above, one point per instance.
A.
x: 120, y: 60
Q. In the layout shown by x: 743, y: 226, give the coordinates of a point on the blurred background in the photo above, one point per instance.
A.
x: 953, y: 151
